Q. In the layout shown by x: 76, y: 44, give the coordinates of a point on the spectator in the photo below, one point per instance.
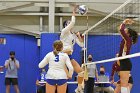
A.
x: 92, y: 73
x: 41, y: 86
x: 11, y: 77
x: 104, y: 77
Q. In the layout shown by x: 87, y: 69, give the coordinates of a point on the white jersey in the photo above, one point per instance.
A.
x: 57, y: 65
x: 68, y: 38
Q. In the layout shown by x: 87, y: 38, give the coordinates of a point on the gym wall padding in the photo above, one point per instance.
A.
x: 28, y: 55
x: 47, y: 40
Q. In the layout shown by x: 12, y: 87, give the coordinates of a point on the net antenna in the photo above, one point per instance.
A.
x: 86, y: 41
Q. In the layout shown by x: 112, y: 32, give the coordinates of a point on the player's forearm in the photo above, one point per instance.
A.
x: 71, y: 72
x: 123, y: 33
x: 71, y: 25
x: 68, y: 27
x: 70, y: 68
x: 80, y: 39
x: 41, y: 64
x: 112, y: 75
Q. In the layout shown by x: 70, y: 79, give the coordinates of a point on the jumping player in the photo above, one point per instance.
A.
x: 69, y: 38
x: 129, y: 37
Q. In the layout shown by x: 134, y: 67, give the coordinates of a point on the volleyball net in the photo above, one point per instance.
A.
x: 102, y: 40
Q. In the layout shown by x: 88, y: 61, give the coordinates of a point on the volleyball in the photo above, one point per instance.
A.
x: 82, y: 9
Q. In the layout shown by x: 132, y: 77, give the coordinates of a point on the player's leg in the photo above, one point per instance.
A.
x: 61, y: 85
x: 124, y: 77
x: 62, y: 88
x: 80, y: 72
x: 130, y: 82
x: 50, y: 88
x: 125, y: 68
x: 130, y: 86
x: 117, y: 89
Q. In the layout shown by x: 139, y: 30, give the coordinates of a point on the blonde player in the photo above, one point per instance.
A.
x: 69, y: 38
x: 56, y: 74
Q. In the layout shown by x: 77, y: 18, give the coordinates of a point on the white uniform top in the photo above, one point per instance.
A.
x: 56, y: 65
x: 68, y: 38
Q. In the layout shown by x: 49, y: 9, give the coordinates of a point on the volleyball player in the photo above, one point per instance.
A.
x: 56, y: 74
x: 129, y: 37
x: 116, y: 69
x: 69, y: 38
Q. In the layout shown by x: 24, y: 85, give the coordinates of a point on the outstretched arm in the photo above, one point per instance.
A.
x: 113, y: 72
x: 122, y: 29
x: 79, y: 40
x: 70, y: 25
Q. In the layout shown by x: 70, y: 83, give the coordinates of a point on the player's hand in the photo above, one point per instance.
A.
x: 115, y: 83
x: 77, y: 33
x: 69, y: 76
x: 74, y: 9
x: 37, y: 83
x: 112, y: 81
x: 128, y: 21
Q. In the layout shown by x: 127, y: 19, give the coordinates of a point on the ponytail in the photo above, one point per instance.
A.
x: 134, y: 35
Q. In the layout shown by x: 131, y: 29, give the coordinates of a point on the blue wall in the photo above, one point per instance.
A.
x: 28, y: 54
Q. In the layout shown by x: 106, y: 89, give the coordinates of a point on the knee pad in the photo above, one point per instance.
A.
x: 124, y: 90
x: 81, y: 74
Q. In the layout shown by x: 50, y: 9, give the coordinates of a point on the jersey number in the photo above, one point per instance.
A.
x: 42, y: 76
x: 56, y: 58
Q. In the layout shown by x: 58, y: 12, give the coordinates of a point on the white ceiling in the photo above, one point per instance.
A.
x: 63, y: 8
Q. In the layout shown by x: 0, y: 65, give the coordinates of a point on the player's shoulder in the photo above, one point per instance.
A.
x: 50, y: 53
x: 63, y: 54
